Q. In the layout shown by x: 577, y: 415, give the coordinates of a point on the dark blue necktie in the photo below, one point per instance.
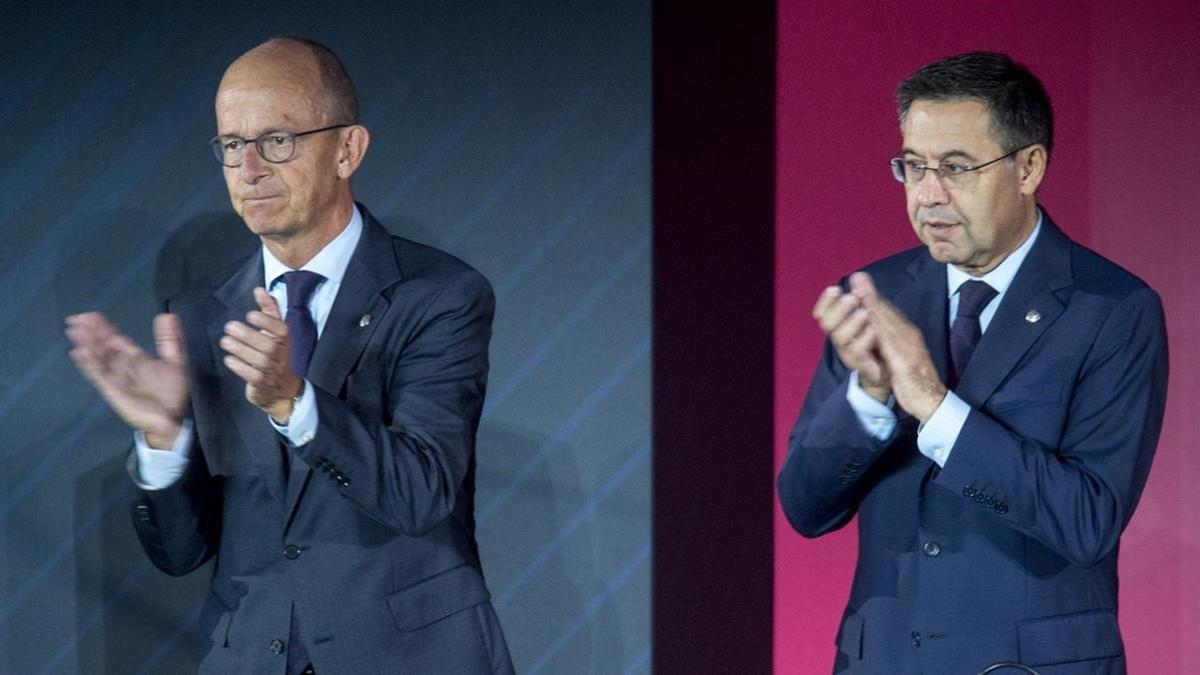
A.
x: 301, y: 326
x: 973, y: 296
x: 303, y: 331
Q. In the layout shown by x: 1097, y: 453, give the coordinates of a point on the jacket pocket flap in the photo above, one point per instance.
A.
x: 1015, y: 400
x: 437, y: 597
x: 1069, y: 638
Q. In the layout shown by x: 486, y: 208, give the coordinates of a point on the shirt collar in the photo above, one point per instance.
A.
x: 1002, y: 276
x: 330, y: 262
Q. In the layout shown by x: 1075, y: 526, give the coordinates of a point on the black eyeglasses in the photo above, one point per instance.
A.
x: 274, y: 146
x: 911, y: 171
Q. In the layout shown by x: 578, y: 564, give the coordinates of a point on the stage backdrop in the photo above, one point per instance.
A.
x: 1125, y: 83
x: 514, y: 135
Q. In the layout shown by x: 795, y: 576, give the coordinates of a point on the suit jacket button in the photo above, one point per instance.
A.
x: 932, y: 549
x: 291, y: 551
x: 1002, y: 508
x: 276, y: 646
x: 969, y: 492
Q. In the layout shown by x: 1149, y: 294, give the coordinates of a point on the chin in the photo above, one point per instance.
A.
x: 943, y: 252
x: 264, y: 222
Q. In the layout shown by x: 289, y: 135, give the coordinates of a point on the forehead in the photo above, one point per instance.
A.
x: 259, y: 94
x: 245, y: 110
x: 941, y: 127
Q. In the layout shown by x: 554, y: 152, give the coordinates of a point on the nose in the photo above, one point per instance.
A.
x: 930, y: 190
x: 253, y: 167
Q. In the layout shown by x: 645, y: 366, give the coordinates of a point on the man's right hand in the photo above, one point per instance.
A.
x: 846, y: 324
x: 150, y: 394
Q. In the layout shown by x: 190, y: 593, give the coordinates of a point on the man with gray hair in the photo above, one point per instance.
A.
x: 310, y: 417
x: 988, y: 404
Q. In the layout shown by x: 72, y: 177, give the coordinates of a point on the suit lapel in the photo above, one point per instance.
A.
x: 925, y: 303
x: 259, y: 438
x: 357, y: 311
x: 1029, y: 307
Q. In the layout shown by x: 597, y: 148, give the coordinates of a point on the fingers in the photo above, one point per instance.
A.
x: 98, y: 348
x: 853, y: 331
x: 168, y: 338
x: 266, y: 303
x: 891, y: 325
x: 862, y: 287
x: 824, y: 301
x: 251, y: 374
x: 258, y: 348
x: 833, y: 308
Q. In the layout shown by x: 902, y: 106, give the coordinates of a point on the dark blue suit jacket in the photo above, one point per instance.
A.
x: 371, y: 531
x: 1009, y: 552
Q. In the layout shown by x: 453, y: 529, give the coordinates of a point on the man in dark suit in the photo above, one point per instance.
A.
x: 993, y: 439
x: 310, y: 418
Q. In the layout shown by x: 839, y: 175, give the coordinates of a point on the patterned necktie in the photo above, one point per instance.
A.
x: 973, y: 296
x: 303, y: 330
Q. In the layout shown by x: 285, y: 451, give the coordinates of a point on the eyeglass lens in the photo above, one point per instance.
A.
x: 273, y: 146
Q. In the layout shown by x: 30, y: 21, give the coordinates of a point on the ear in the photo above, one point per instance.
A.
x: 1031, y: 167
x: 355, y: 140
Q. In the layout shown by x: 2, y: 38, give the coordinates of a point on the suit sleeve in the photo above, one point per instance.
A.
x: 406, y: 467
x: 178, y: 525
x: 830, y: 455
x: 1077, y: 498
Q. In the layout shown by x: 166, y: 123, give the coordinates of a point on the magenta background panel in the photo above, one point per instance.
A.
x: 1124, y: 180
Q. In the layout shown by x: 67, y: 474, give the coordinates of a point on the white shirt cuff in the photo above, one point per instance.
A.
x: 937, y: 437
x: 158, y: 469
x: 302, y: 425
x: 877, y: 419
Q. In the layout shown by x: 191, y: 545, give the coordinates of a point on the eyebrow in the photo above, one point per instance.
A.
x: 264, y: 131
x: 954, y: 152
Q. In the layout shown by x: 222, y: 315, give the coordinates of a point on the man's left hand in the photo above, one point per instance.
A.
x: 258, y: 351
x: 915, y: 382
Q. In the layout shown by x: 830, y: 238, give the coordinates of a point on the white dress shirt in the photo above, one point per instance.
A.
x: 158, y: 468
x: 937, y: 436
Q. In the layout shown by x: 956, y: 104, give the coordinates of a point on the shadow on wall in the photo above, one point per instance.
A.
x: 131, y: 617
x: 201, y: 247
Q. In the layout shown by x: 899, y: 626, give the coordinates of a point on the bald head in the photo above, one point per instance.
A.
x: 309, y: 68
x: 285, y: 104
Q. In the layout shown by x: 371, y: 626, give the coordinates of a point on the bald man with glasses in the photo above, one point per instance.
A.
x: 309, y: 420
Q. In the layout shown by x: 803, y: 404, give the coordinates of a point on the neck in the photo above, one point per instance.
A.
x: 1028, y: 222
x: 294, y: 250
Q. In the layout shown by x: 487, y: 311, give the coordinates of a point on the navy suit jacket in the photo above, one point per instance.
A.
x: 1008, y: 552
x: 371, y: 531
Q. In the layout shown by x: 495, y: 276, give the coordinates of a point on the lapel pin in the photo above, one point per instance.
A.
x: 1033, y: 316
x: 366, y: 321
